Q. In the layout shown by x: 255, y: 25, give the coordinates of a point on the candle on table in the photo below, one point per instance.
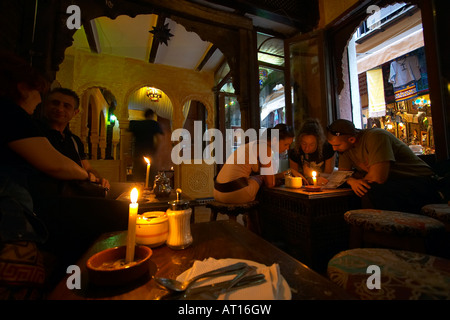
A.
x: 148, y: 171
x: 131, y: 236
x: 314, y: 178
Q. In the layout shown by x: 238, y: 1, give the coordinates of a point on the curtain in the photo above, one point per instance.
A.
x: 375, y: 88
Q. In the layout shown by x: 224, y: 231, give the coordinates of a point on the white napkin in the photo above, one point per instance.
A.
x: 275, y: 287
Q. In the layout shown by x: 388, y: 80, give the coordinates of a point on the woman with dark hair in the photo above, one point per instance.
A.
x: 235, y: 182
x: 24, y: 150
x: 311, y: 152
x: 22, y: 144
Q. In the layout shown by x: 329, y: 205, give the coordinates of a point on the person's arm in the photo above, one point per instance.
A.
x: 329, y: 164
x: 378, y: 172
x: 293, y: 165
x: 359, y: 186
x: 43, y: 156
x: 97, y: 178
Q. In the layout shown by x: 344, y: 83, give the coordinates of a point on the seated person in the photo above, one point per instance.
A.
x: 311, y: 152
x: 389, y: 176
x: 235, y: 182
x: 60, y: 106
x: 24, y: 150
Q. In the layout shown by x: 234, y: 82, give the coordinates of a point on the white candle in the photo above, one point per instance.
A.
x: 148, y: 171
x: 131, y: 236
x: 314, y: 178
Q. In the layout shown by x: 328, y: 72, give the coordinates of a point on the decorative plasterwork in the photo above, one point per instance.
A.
x: 123, y: 76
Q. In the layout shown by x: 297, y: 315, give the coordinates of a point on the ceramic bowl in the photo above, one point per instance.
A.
x: 313, y: 188
x: 120, y: 274
x: 293, y: 182
x: 152, y: 228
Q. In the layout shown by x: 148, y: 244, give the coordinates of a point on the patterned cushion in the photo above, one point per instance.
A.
x: 393, y: 222
x: 404, y: 275
x: 440, y: 211
x: 22, y: 271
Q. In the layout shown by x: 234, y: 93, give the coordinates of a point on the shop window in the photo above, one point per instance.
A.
x: 272, y: 97
x: 388, y: 76
x: 271, y: 80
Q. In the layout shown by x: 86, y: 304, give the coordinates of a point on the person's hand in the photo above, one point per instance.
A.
x: 101, y: 181
x: 321, y: 181
x: 92, y: 177
x: 295, y: 173
x: 359, y: 186
x: 105, y: 183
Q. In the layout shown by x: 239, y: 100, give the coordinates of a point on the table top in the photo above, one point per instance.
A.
x: 303, y: 193
x: 219, y: 240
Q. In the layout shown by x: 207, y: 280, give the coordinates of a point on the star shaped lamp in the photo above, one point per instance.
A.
x: 162, y: 33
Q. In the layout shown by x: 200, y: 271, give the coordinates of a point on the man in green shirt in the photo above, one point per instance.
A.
x: 388, y: 175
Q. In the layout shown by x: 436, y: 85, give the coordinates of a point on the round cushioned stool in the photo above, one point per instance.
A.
x: 438, y: 211
x: 404, y: 275
x: 441, y: 212
x: 232, y: 210
x: 393, y: 229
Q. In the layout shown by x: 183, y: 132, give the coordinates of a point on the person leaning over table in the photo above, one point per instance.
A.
x: 389, y: 176
x: 311, y: 152
x: 235, y: 182
x: 24, y: 150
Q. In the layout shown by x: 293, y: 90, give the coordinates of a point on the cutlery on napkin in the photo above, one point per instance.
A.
x: 212, y: 291
x: 273, y: 288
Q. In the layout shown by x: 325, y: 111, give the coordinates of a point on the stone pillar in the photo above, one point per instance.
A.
x: 125, y: 156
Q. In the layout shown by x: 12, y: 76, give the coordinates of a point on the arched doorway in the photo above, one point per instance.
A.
x: 98, y: 128
x: 144, y: 98
x: 195, y: 122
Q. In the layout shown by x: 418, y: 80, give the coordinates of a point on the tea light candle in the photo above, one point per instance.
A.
x: 314, y: 178
x: 131, y: 236
x: 148, y: 171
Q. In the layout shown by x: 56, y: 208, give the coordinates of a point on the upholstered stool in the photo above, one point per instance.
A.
x: 441, y: 212
x: 393, y: 229
x: 232, y: 210
x: 404, y: 275
x: 438, y: 211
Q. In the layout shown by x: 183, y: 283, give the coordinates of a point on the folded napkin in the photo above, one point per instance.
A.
x: 275, y: 287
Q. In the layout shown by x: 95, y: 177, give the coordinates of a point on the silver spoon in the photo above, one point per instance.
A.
x: 178, y: 286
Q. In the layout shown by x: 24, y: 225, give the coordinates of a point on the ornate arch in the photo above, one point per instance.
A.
x: 207, y: 102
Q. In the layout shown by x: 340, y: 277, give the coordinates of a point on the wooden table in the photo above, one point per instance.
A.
x: 309, y: 225
x: 217, y: 239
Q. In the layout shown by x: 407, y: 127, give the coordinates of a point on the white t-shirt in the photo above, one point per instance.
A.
x: 404, y: 71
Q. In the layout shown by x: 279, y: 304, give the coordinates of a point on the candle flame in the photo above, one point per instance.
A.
x: 134, y: 195
x: 147, y: 160
x: 314, y: 174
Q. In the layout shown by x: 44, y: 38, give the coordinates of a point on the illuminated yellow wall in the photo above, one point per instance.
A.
x: 331, y: 9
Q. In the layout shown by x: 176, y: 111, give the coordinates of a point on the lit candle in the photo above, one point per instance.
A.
x: 148, y: 171
x: 314, y: 178
x: 131, y: 236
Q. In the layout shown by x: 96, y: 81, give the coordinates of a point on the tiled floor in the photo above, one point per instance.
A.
x: 202, y: 214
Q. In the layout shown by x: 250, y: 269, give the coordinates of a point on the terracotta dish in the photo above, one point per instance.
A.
x: 107, y: 267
